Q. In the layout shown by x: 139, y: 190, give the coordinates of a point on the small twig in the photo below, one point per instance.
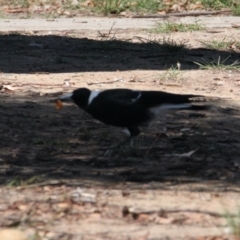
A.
x: 170, y: 211
x: 40, y: 184
x: 116, y: 80
x: 182, y: 14
x: 110, y: 31
x: 150, y: 148
x: 107, y: 35
x: 212, y: 214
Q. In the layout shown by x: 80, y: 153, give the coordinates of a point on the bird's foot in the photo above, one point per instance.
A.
x: 118, y: 148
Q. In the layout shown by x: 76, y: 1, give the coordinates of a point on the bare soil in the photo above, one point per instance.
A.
x: 56, y: 181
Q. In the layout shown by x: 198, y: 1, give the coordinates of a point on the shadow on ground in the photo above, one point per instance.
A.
x: 39, y: 144
x: 50, y: 53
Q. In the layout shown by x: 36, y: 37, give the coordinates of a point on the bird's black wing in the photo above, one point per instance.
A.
x: 155, y: 98
x: 123, y: 96
x: 144, y: 98
x: 118, y: 107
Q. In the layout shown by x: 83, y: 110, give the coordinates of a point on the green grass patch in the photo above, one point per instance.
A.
x: 223, y: 44
x: 163, y: 45
x: 218, y: 64
x: 117, y: 6
x: 110, y: 6
x: 230, y: 45
x: 234, y: 223
x: 171, y: 46
x: 169, y: 27
x: 216, y: 4
x: 222, y: 4
x: 173, y: 73
x: 107, y: 7
x: 19, y: 181
x: 236, y: 10
x: 146, y: 6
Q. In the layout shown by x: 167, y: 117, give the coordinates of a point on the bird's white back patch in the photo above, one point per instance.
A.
x: 93, y: 95
x: 164, y: 107
x: 138, y: 96
x: 66, y: 96
x: 126, y: 131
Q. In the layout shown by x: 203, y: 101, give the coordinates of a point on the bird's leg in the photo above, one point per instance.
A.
x: 119, y: 146
x: 134, y: 131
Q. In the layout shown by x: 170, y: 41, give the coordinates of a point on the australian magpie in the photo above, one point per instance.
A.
x: 129, y: 108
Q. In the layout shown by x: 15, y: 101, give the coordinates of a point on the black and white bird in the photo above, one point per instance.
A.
x: 129, y: 108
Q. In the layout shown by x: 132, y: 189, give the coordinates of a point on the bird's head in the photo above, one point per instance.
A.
x: 79, y: 97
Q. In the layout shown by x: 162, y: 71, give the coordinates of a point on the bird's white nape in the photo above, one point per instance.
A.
x: 93, y: 95
x: 164, y: 107
x: 138, y: 96
x: 66, y: 96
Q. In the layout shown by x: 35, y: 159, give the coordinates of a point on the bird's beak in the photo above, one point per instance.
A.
x: 63, y: 98
x: 66, y: 97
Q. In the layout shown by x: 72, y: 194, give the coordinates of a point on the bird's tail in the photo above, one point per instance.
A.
x: 156, y: 98
x: 186, y: 106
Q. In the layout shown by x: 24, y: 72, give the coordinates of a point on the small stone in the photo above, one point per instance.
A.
x: 219, y: 83
x: 75, y: 2
x: 12, y: 234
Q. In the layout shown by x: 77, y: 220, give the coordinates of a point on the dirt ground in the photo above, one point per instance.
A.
x: 56, y: 181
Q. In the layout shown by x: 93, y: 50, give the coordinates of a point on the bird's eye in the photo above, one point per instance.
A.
x: 58, y: 104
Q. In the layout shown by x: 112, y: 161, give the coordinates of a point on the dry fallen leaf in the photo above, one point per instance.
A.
x: 80, y: 196
x: 62, y: 206
x: 235, y: 25
x: 88, y: 3
x: 9, y: 87
x: 16, y: 10
x: 143, y: 217
x: 58, y: 104
x: 164, y: 221
x: 23, y: 207
x: 188, y: 154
